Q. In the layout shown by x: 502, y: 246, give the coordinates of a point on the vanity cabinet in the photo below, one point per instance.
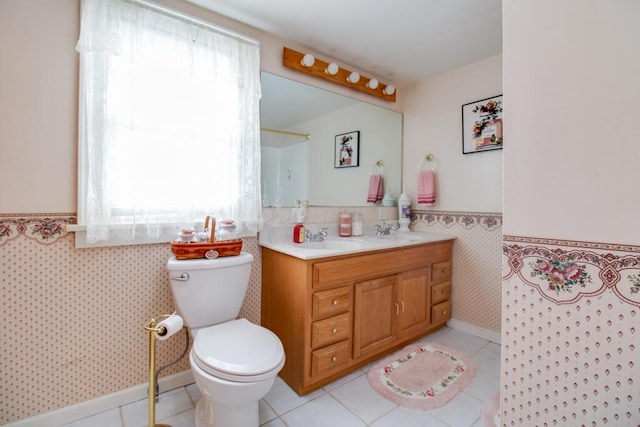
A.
x: 336, y: 314
x: 388, y: 309
x: 375, y: 323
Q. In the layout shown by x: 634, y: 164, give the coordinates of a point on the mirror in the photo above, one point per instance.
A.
x: 300, y: 124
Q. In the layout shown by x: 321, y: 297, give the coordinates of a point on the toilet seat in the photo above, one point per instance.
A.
x: 238, y: 351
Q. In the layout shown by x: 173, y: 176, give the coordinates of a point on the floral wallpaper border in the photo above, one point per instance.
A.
x: 43, y: 228
x: 565, y: 271
x: 489, y: 221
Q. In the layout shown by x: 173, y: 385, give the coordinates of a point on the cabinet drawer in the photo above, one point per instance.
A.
x: 333, y: 301
x: 330, y: 330
x: 440, y: 292
x: 441, y: 312
x: 328, y: 358
x: 372, y: 265
x: 440, y: 271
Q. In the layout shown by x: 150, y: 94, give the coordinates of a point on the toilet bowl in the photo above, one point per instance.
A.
x: 235, y: 365
x: 234, y: 362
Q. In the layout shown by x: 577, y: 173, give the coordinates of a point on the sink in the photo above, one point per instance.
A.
x: 403, y: 237
x: 344, y: 244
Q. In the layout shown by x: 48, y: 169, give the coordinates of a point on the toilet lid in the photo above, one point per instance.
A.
x: 237, y: 348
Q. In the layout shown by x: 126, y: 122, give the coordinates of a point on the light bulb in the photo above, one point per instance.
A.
x: 353, y: 77
x: 308, y: 60
x: 332, y: 69
x: 389, y: 90
x: 372, y: 84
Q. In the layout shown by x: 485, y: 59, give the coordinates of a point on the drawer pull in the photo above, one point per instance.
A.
x: 334, y: 358
x: 335, y: 302
x: 444, y: 312
x: 334, y: 330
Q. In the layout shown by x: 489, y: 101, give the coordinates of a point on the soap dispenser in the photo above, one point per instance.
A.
x: 404, y: 211
x: 388, y: 199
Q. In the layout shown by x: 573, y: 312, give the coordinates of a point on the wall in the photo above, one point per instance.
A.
x: 469, y: 187
x: 379, y: 134
x: 571, y: 249
x: 475, y: 277
x: 284, y: 174
x: 432, y: 124
x: 73, y: 319
x: 39, y: 90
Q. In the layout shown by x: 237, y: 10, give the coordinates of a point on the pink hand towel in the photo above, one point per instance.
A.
x: 427, y: 188
x: 376, y: 191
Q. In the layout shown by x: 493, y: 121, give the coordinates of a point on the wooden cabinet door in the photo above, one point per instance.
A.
x: 414, y: 299
x: 374, y: 316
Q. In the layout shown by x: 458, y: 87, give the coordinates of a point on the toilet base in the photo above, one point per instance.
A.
x: 227, y: 403
x: 210, y: 415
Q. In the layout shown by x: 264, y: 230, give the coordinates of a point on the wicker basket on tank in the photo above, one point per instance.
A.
x: 210, y: 250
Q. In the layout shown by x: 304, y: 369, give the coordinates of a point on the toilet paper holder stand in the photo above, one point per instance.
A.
x: 162, y: 331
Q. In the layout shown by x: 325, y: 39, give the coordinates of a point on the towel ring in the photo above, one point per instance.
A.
x: 377, y: 168
x: 428, y: 158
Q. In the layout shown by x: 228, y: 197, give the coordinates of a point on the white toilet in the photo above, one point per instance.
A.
x: 234, y: 361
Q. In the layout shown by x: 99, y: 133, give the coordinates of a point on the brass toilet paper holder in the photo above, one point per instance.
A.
x: 151, y: 327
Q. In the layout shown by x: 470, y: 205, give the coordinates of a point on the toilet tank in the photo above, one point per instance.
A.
x: 209, y: 291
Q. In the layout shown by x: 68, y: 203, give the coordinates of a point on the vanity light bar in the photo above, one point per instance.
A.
x: 330, y: 71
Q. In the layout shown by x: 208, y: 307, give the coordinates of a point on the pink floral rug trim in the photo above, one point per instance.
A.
x: 422, y: 376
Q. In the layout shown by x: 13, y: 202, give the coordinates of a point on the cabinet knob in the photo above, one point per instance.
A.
x: 333, y: 359
x: 334, y: 330
x: 444, y: 312
x: 444, y: 292
x: 335, y: 302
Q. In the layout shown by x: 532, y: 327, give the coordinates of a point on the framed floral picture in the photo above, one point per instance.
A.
x: 482, y: 125
x: 347, y: 150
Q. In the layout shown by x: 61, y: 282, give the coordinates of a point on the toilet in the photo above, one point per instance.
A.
x: 234, y: 362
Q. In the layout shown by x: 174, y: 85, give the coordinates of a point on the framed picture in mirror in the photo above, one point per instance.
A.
x: 482, y: 125
x: 347, y: 150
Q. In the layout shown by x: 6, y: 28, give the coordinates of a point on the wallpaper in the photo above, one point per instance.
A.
x: 475, y: 278
x: 73, y: 318
x: 570, y: 314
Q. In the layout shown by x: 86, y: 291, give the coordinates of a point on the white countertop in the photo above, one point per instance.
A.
x: 278, y: 239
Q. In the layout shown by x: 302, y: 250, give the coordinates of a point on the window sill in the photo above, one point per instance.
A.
x: 81, y: 239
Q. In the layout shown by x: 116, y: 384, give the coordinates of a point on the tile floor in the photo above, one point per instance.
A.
x: 349, y: 401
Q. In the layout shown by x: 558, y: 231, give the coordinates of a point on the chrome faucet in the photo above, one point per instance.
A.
x: 385, y: 230
x: 318, y: 237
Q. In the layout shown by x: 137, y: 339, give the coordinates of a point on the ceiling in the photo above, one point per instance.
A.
x: 400, y: 42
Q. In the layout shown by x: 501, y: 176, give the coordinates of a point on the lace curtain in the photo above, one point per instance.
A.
x: 169, y: 123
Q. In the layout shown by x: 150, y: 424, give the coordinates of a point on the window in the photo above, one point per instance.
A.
x: 169, y: 123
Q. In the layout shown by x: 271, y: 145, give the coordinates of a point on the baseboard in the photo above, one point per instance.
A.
x: 477, y: 331
x: 95, y: 406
